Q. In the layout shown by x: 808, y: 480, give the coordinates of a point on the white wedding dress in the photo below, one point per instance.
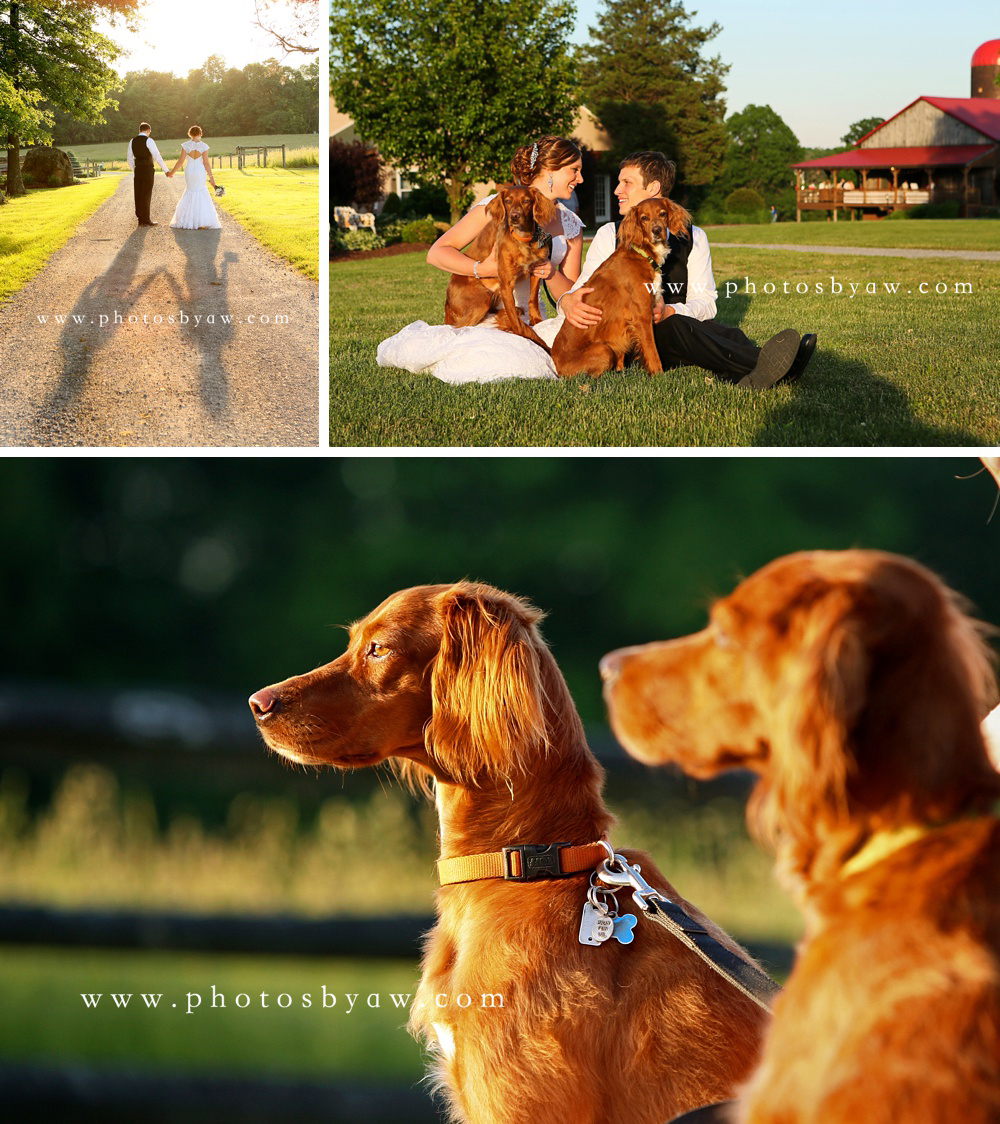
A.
x: 480, y: 353
x: 195, y: 207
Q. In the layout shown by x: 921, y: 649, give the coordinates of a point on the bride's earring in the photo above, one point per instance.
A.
x: 550, y: 183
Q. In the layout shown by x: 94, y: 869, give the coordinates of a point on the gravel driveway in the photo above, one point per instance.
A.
x: 169, y: 338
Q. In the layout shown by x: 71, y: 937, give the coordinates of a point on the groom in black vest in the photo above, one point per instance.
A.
x: 142, y: 151
x: 684, y: 324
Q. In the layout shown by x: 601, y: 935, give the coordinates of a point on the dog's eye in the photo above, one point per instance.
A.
x: 378, y: 651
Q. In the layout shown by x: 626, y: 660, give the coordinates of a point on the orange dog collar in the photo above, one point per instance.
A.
x: 525, y: 862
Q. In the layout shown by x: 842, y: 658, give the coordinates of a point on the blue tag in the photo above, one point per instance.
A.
x: 623, y: 928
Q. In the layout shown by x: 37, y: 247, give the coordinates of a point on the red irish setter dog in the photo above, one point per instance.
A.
x: 516, y: 230
x: 853, y: 683
x: 625, y: 289
x: 453, y: 684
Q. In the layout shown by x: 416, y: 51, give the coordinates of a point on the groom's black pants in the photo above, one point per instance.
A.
x: 143, y: 187
x: 683, y: 341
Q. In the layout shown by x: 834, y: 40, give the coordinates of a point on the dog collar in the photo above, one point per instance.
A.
x: 641, y: 252
x: 524, y: 862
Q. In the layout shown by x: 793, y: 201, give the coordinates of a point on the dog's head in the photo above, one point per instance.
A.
x: 452, y: 679
x: 852, y: 682
x: 647, y: 226
x: 520, y: 210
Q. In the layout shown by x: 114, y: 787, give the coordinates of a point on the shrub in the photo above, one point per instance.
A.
x: 348, y: 241
x: 744, y: 201
x: 355, y: 175
x: 420, y: 230
x: 949, y: 210
x: 390, y: 230
x: 430, y: 200
x: 392, y: 205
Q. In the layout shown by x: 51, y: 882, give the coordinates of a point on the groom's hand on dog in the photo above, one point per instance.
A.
x: 580, y: 315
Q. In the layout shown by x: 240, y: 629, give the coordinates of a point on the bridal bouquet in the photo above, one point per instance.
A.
x: 220, y: 190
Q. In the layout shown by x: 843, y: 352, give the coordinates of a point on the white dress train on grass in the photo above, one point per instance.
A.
x: 195, y: 208
x: 480, y: 353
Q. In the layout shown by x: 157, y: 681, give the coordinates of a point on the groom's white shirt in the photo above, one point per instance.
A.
x: 153, y: 151
x: 701, y: 291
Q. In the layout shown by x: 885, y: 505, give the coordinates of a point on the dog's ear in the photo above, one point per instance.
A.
x: 630, y: 231
x: 486, y: 686
x: 883, y: 689
x: 544, y: 209
x: 497, y: 207
x: 679, y: 219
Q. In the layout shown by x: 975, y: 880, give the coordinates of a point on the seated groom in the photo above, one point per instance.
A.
x: 142, y: 151
x: 685, y: 330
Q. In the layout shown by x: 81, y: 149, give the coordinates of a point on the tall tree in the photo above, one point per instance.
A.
x: 644, y: 75
x: 761, y: 149
x: 453, y: 89
x: 859, y: 128
x: 52, y: 51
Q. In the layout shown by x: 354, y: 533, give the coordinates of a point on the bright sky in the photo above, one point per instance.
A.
x: 177, y: 37
x: 821, y: 67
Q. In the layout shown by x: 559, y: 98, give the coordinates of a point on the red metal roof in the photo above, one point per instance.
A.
x: 988, y: 54
x: 980, y: 113
x: 941, y: 155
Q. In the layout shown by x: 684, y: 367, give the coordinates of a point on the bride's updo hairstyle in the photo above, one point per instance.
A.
x: 194, y: 132
x: 547, y: 154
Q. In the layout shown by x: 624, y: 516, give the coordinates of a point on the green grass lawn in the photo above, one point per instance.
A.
x: 924, y: 234
x: 46, y: 1020
x: 902, y: 369
x: 170, y: 149
x: 34, y: 226
x: 280, y: 208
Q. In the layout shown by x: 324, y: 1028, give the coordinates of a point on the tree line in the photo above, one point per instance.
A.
x: 149, y: 571
x: 453, y: 90
x: 262, y: 98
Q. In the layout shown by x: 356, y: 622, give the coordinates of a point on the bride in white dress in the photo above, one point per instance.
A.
x: 195, y: 209
x: 483, y: 353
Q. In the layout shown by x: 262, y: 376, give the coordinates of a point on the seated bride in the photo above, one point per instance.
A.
x: 482, y: 353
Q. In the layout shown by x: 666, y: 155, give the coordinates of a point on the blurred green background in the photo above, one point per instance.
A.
x: 145, y: 599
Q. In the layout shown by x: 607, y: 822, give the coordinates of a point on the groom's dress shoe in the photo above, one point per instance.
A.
x: 774, y: 361
x: 807, y: 346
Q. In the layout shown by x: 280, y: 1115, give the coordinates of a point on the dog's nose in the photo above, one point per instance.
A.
x: 263, y: 704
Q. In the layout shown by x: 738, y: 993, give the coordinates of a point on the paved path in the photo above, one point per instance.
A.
x: 863, y: 251
x: 144, y: 355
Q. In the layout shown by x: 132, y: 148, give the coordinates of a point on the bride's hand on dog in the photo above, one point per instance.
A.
x: 544, y: 270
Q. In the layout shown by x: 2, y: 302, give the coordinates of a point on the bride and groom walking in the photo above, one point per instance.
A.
x: 195, y: 209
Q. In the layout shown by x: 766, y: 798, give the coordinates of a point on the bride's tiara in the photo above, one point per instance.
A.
x: 534, y: 155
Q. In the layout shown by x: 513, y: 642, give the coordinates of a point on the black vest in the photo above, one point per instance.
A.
x: 140, y: 151
x: 674, y: 270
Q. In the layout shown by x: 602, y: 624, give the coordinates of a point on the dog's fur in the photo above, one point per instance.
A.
x: 625, y: 286
x: 518, y: 217
x: 853, y: 683
x: 454, y: 683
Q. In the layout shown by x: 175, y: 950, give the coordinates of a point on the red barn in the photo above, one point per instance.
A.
x: 935, y: 150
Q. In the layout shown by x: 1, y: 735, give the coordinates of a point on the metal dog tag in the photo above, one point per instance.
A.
x: 595, y: 926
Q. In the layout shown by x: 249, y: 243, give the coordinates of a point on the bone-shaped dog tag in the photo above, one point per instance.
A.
x: 595, y: 926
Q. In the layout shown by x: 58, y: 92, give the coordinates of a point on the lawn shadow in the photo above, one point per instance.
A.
x: 840, y: 402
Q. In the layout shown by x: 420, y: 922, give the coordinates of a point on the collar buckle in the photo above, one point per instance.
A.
x: 537, y: 861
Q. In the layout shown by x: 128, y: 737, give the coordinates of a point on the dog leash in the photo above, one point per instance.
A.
x: 616, y: 872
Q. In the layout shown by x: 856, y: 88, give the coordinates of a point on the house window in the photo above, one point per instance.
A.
x: 602, y: 199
